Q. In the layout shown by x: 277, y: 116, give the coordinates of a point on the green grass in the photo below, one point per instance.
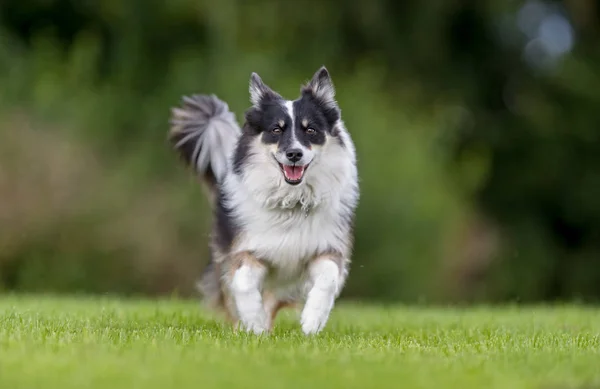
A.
x: 48, y: 342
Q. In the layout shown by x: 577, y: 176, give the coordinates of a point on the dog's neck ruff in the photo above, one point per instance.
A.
x: 278, y: 196
x: 299, y: 199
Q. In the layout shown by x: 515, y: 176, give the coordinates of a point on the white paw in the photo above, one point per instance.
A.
x: 313, y: 322
x: 256, y: 327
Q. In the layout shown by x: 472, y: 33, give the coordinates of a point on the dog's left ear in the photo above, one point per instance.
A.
x: 321, y: 87
x: 259, y: 91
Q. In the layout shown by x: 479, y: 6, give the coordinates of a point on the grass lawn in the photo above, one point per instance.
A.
x: 49, y: 342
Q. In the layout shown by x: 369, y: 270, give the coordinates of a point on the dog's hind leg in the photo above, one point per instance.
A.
x: 245, y: 283
x: 272, y: 307
x: 326, y: 278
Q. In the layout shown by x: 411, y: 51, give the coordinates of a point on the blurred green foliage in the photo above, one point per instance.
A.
x: 480, y: 172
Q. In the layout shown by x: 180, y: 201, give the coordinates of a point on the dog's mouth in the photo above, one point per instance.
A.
x: 293, y: 174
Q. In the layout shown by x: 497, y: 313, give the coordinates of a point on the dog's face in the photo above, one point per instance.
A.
x: 292, y: 133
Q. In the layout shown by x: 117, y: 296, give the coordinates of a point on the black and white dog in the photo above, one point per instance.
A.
x: 284, y: 189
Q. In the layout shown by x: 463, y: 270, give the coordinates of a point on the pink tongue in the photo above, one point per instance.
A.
x: 293, y: 173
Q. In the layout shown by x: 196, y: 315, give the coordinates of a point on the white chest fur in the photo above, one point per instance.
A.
x: 287, y: 239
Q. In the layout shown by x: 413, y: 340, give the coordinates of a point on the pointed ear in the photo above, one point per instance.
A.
x: 321, y: 87
x: 259, y: 90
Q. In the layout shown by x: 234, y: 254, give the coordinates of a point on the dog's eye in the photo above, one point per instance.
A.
x: 276, y: 130
x: 310, y: 131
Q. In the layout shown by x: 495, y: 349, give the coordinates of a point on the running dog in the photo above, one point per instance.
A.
x: 284, y: 190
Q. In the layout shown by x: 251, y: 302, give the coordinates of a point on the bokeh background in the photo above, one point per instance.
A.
x: 477, y: 124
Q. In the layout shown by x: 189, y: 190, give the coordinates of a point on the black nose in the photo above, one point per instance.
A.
x: 294, y: 155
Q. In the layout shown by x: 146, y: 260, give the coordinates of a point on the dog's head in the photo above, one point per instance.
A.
x: 292, y: 133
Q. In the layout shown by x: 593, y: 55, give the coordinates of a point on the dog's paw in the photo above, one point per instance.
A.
x: 258, y: 326
x: 256, y: 329
x: 313, y: 322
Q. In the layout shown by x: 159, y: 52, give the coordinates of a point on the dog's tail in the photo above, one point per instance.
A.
x: 204, y: 132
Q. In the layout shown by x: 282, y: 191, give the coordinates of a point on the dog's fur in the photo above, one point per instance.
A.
x: 282, y: 235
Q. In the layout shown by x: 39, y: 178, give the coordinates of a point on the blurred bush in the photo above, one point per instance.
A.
x: 478, y: 159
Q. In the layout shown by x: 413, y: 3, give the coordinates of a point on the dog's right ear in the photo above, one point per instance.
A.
x: 321, y: 87
x: 259, y: 91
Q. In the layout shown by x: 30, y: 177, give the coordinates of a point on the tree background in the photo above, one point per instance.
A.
x: 476, y: 124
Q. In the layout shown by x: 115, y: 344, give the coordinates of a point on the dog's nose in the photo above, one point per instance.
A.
x: 294, y: 155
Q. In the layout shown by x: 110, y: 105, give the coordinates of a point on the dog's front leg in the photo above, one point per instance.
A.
x: 246, y: 284
x: 325, y: 278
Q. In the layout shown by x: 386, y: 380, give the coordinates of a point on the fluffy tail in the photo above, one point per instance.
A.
x: 204, y: 133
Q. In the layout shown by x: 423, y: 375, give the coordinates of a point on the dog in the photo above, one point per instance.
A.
x: 284, y: 190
